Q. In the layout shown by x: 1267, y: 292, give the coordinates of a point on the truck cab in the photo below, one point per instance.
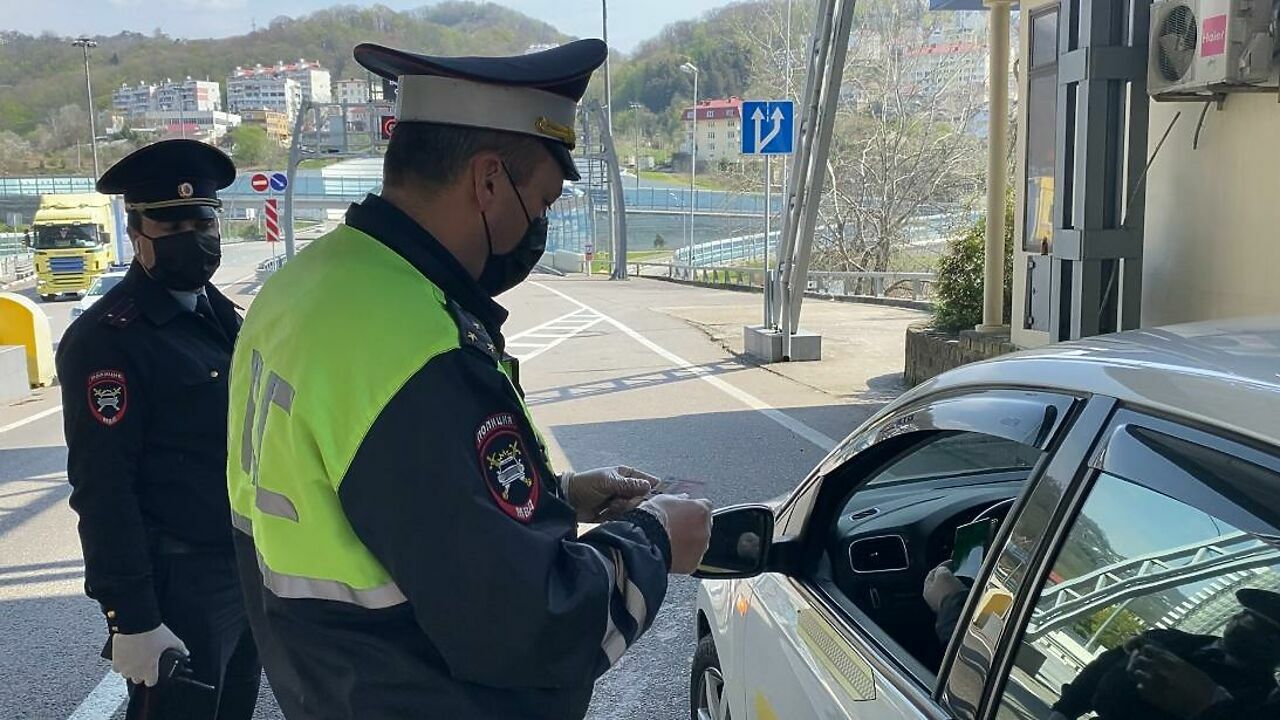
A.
x: 73, y: 238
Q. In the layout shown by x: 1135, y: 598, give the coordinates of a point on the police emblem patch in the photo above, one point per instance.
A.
x: 108, y: 396
x: 508, y: 466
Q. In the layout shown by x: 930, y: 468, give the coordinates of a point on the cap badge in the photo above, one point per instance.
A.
x: 554, y: 129
x: 185, y: 190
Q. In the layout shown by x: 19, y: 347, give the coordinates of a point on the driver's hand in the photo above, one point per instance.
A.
x: 940, y: 584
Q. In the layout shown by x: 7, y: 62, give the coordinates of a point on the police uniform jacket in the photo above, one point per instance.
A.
x: 418, y: 556
x: 144, y: 385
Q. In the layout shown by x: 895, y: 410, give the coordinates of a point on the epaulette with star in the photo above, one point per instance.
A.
x: 122, y: 313
x: 471, y: 332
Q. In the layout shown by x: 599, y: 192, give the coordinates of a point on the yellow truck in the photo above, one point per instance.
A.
x: 74, y: 238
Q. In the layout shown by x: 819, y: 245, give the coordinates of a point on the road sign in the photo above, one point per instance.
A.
x: 272, y: 221
x: 259, y: 182
x: 388, y: 123
x: 279, y: 181
x: 768, y: 127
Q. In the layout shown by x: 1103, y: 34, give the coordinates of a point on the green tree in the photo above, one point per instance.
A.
x: 252, y: 147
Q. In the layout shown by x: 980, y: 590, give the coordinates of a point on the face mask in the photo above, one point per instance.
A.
x: 185, y: 260
x: 503, y: 272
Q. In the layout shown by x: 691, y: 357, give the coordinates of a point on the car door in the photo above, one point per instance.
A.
x: 813, y: 644
x: 1156, y: 595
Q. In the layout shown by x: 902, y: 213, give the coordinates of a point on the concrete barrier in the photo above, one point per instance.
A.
x: 22, y: 322
x: 13, y: 374
x: 568, y: 261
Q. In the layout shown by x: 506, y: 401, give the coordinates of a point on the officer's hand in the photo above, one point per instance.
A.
x: 607, y: 493
x: 688, y: 524
x: 137, y: 656
x: 940, y: 584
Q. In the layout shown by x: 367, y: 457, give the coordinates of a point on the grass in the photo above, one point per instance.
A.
x: 704, y: 181
x: 603, y: 262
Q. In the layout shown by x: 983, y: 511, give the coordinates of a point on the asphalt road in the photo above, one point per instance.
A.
x: 610, y: 378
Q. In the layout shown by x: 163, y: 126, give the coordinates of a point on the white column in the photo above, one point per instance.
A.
x: 997, y: 168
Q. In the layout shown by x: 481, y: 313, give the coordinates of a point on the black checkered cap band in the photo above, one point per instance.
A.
x: 453, y: 101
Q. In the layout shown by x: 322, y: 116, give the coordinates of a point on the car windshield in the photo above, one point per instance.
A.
x: 103, y: 284
x: 54, y: 237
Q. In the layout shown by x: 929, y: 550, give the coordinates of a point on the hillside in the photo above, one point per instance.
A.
x: 39, y: 75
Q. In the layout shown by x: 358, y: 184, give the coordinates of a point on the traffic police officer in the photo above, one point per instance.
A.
x: 144, y: 377
x: 420, y: 558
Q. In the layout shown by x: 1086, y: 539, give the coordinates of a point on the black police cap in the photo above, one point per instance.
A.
x: 534, y: 94
x: 171, y: 180
x: 1263, y: 602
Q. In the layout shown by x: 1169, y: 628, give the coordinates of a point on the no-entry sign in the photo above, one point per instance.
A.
x: 260, y: 182
x: 388, y: 124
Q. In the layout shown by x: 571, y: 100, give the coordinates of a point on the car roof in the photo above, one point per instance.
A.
x: 1220, y: 373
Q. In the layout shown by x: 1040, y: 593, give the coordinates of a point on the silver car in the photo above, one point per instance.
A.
x: 1098, y: 521
x: 97, y: 289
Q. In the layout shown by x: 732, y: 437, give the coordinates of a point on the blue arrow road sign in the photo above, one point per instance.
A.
x: 279, y: 181
x: 768, y: 127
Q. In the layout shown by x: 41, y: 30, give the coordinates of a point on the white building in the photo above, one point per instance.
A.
x: 311, y: 77
x: 207, y: 125
x: 351, y: 92
x: 263, y: 89
x: 719, y: 129
x: 184, y: 95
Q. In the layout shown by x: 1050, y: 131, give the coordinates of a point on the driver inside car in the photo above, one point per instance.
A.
x: 945, y: 594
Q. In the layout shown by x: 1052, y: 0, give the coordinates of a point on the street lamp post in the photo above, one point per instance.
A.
x: 84, y: 43
x: 635, y: 108
x: 691, y: 69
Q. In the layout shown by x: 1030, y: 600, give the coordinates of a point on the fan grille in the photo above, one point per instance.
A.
x: 1177, y: 42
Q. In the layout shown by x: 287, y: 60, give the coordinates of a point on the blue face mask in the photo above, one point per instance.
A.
x: 503, y: 272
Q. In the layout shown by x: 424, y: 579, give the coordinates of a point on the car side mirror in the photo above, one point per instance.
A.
x: 741, y: 538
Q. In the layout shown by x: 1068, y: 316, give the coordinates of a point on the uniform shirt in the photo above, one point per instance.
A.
x: 497, y: 607
x: 144, y: 400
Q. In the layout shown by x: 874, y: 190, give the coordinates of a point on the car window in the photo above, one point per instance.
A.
x: 103, y: 284
x: 956, y: 455
x: 1158, y: 606
x: 905, y: 520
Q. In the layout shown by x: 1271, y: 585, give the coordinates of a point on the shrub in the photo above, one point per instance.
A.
x: 957, y: 301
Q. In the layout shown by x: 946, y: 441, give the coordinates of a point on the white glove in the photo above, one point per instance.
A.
x: 137, y: 657
x: 688, y: 524
x: 940, y: 584
x: 606, y: 493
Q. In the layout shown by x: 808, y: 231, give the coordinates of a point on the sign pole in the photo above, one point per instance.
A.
x: 768, y: 212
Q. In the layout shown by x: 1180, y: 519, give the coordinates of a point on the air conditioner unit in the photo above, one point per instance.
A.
x: 1208, y: 47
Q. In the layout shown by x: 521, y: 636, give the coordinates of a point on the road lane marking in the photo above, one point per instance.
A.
x: 551, y: 333
x: 105, y: 699
x: 27, y: 421
x: 817, y: 438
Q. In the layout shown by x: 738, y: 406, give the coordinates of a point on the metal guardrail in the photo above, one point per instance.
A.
x: 16, y: 262
x: 916, y: 286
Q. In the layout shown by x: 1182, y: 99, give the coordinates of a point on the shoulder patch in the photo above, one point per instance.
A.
x: 122, y: 313
x: 471, y: 332
x: 509, y: 469
x: 108, y: 396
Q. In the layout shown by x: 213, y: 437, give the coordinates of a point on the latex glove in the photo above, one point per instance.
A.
x: 137, y: 656
x: 1171, y: 683
x: 688, y: 524
x: 940, y: 584
x: 606, y: 493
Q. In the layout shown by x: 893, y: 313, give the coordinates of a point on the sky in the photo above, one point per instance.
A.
x: 630, y: 21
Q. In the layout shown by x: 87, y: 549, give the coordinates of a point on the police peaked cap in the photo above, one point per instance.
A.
x: 1263, y: 602
x: 171, y: 180
x: 535, y: 94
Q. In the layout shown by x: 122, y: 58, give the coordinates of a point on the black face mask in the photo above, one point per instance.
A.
x: 503, y: 272
x: 185, y: 260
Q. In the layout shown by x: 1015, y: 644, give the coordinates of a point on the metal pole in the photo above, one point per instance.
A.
x: 768, y: 212
x: 693, y: 167
x: 84, y: 43
x: 635, y: 106
x: 291, y: 172
x: 997, y: 172
x: 614, y: 205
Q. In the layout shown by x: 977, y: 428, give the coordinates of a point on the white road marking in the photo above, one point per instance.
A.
x: 742, y: 396
x: 242, y: 280
x: 105, y: 699
x: 27, y: 421
x: 551, y: 333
